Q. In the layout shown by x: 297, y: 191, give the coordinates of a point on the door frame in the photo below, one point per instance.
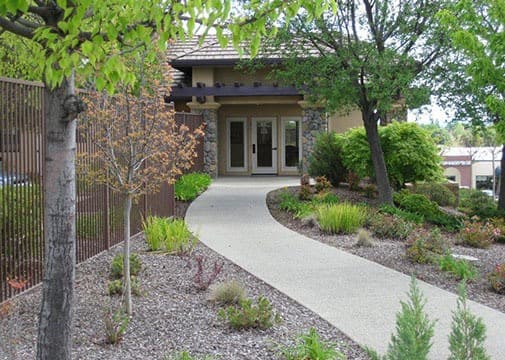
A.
x: 284, y: 120
x: 254, y: 135
x: 229, y: 168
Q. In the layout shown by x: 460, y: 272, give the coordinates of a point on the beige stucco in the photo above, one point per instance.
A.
x: 341, y: 122
x: 229, y: 76
x: 482, y: 168
x: 453, y: 172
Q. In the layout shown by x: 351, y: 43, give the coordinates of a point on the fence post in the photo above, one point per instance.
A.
x: 106, y: 215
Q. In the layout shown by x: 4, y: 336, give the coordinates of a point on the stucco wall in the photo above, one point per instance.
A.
x: 229, y: 75
x: 341, y: 122
x: 482, y: 168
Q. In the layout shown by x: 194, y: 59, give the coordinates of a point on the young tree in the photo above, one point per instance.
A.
x: 90, y: 36
x: 477, y: 29
x: 371, y: 56
x: 468, y: 333
x: 139, y: 146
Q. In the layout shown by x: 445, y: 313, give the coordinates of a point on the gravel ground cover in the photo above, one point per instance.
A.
x: 170, y: 315
x: 391, y: 253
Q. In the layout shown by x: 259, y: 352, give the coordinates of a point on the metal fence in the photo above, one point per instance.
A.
x: 99, y: 220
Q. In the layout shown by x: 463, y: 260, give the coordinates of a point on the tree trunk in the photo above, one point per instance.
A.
x: 126, y: 256
x: 379, y: 164
x: 501, y: 198
x: 55, y: 321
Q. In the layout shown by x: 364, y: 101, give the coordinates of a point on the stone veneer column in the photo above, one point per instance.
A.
x: 209, y: 114
x: 314, y: 122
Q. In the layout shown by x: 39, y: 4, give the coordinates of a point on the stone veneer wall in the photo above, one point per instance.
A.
x: 314, y: 121
x: 209, y: 141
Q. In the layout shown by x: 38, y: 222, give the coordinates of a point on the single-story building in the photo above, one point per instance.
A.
x: 472, y: 167
x: 253, y: 124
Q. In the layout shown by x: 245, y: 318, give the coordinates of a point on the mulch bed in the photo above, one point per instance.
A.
x: 170, y: 316
x: 391, y: 253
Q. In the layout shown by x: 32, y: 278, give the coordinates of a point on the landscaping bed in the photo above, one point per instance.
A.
x: 171, y: 315
x: 391, y: 252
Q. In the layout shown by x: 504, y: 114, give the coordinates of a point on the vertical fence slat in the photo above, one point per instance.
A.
x: 99, y: 217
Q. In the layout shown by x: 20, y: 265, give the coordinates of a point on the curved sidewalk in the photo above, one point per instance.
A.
x: 357, y: 296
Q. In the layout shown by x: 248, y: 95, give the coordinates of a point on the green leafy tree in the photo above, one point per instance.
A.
x: 371, y: 56
x: 410, y: 153
x: 468, y: 333
x: 477, y: 29
x: 440, y: 135
x: 90, y: 37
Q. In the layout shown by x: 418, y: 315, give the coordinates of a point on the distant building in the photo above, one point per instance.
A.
x: 472, y: 167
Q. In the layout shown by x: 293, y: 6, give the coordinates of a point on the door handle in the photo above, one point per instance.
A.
x: 254, y: 148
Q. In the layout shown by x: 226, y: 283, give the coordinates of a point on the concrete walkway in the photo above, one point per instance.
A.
x: 357, y: 296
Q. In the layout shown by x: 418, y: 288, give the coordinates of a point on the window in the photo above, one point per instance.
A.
x: 451, y: 178
x: 290, y: 143
x: 484, y: 182
x: 10, y: 140
x: 236, y: 134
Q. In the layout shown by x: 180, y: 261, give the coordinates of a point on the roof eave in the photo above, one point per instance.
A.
x: 188, y: 63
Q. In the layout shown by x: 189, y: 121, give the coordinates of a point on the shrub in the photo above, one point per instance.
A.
x: 202, y: 281
x: 477, y: 234
x: 227, y: 293
x: 476, y: 203
x: 468, y: 332
x: 309, y: 346
x: 353, y: 180
x: 168, y: 235
x: 414, y: 330
x: 497, y: 279
x: 340, y: 218
x: 305, y: 192
x: 429, y: 210
x: 89, y: 225
x: 325, y: 159
x: 436, y: 192
x: 248, y: 315
x: 116, y: 323
x: 370, y: 191
x: 405, y: 215
x: 363, y: 239
x: 116, y: 267
x: 409, y: 152
x: 322, y: 184
x: 499, y: 224
x: 189, y: 186
x: 325, y: 198
x: 386, y: 226
x: 461, y: 269
x: 290, y: 203
x: 424, y: 246
x: 116, y: 287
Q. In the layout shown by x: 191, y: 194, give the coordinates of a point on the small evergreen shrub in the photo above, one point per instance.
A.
x: 476, y: 203
x: 477, y: 234
x: 436, y: 192
x: 384, y: 226
x: 289, y: 202
x: 227, y: 293
x: 405, y: 215
x: 309, y: 346
x: 247, y: 315
x: 168, y: 235
x: 353, y: 180
x: 497, y: 279
x: 468, y: 332
x: 326, y: 159
x: 116, y: 323
x: 414, y: 330
x: 189, y: 186
x: 340, y: 218
x: 425, y: 246
x: 461, y: 269
x: 116, y: 287
x: 322, y: 184
x: 326, y: 198
x: 364, y: 239
x: 116, y: 267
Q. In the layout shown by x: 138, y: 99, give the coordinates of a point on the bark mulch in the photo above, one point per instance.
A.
x: 391, y: 252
